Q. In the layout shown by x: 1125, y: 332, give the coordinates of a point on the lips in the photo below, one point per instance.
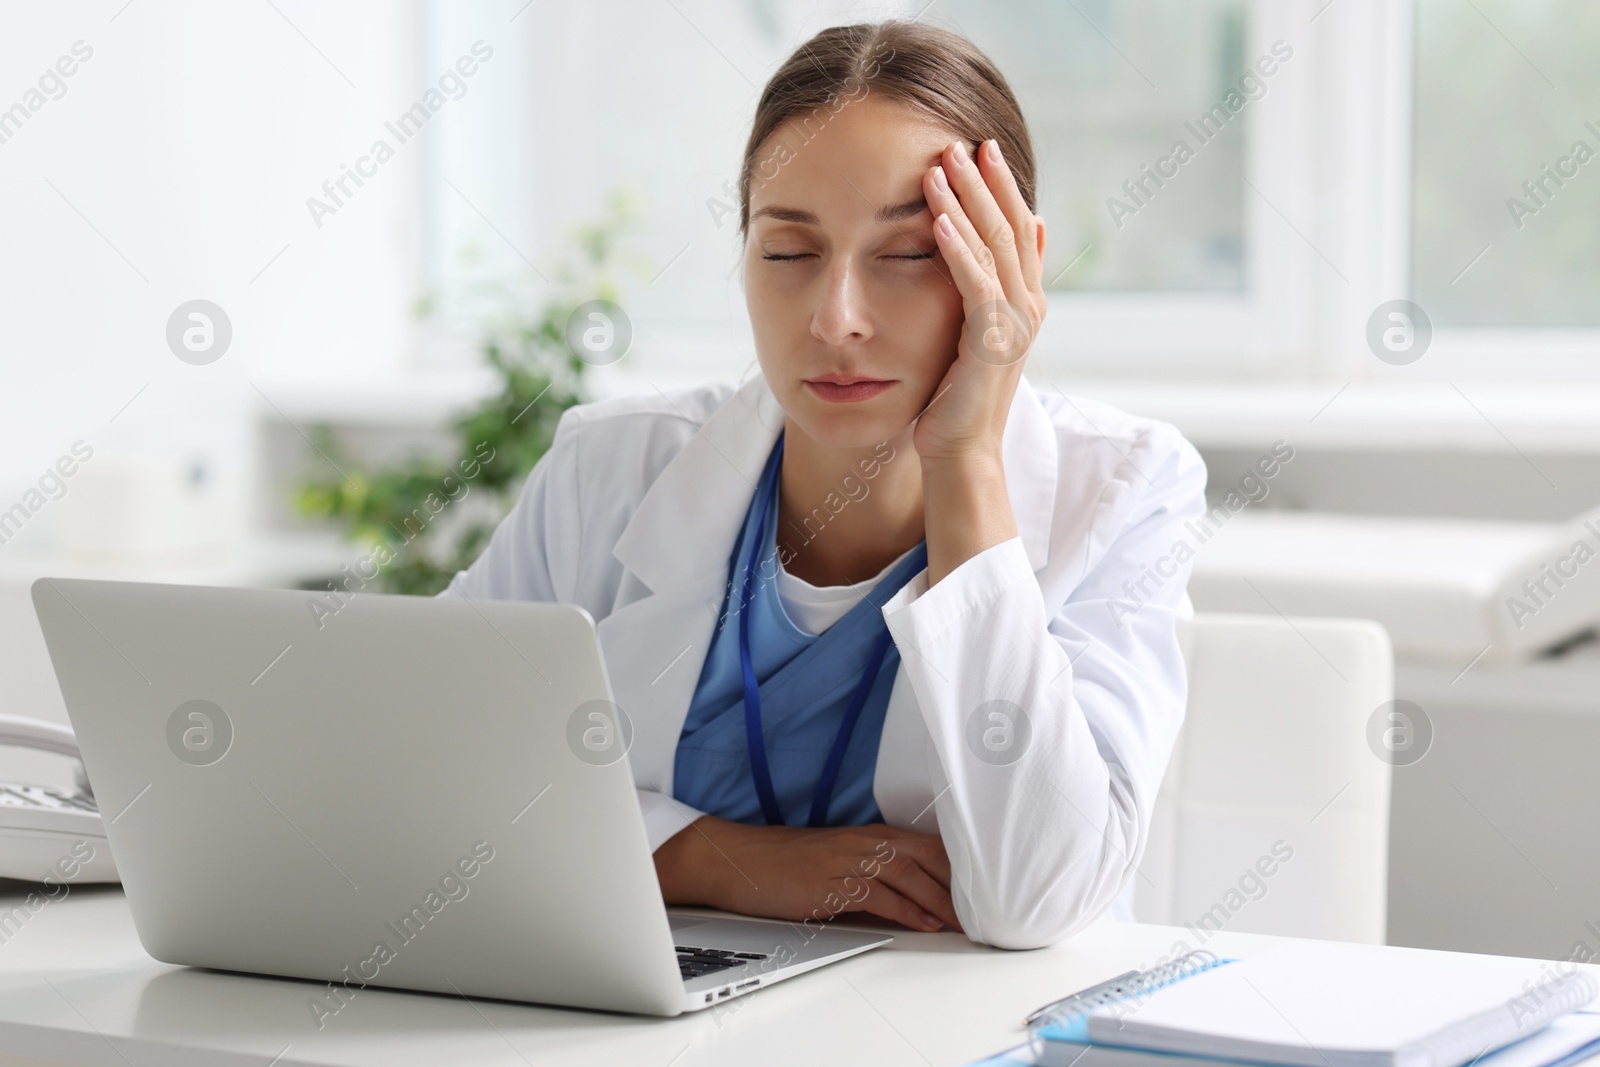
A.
x: 846, y: 388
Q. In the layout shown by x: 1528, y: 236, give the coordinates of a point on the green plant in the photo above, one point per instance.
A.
x: 404, y: 512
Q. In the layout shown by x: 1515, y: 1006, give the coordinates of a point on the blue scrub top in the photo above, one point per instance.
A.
x: 805, y: 681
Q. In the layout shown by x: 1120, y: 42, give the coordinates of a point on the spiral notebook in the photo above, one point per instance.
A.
x: 1325, y: 1004
x: 1567, y: 1042
x: 1068, y: 1020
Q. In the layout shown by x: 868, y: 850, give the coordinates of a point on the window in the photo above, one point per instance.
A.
x: 1191, y: 266
x: 1506, y: 171
x: 1169, y: 179
x: 1231, y: 186
x: 1141, y: 162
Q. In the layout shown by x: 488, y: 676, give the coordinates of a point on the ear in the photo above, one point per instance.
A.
x: 1039, y: 226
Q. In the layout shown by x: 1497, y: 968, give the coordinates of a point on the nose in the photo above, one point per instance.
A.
x: 841, y: 316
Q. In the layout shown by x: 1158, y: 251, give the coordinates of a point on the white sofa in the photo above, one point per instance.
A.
x: 1447, y: 590
x: 1492, y: 830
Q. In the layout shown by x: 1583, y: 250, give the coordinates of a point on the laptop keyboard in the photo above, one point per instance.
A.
x: 694, y: 962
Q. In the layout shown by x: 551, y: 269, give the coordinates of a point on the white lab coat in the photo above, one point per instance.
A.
x: 633, y: 513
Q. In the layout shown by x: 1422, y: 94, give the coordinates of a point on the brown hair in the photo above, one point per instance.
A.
x: 928, y: 69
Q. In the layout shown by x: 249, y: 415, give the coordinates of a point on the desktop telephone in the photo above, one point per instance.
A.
x: 47, y: 835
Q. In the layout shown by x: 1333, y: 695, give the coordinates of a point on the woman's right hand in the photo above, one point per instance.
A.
x: 798, y: 873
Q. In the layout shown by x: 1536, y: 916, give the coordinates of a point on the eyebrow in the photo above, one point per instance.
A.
x: 894, y: 213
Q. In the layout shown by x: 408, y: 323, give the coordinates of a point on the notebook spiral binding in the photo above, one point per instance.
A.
x: 1134, y: 989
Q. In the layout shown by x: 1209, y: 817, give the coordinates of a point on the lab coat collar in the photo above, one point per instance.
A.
x: 684, y: 527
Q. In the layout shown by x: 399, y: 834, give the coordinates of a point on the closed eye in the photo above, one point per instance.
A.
x: 784, y: 258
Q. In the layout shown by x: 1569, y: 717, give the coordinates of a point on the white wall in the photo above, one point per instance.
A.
x: 176, y: 166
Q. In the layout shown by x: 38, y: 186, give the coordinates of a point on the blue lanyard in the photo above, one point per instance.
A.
x: 760, y: 771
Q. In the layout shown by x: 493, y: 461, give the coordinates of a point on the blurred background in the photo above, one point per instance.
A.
x: 242, y: 343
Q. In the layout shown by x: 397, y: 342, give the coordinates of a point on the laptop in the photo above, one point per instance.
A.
x: 396, y: 791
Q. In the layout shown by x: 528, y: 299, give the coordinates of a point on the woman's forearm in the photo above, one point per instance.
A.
x: 685, y: 865
x: 799, y: 873
x: 967, y: 510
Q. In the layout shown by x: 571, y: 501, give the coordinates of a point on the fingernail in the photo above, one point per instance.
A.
x: 945, y: 226
x: 940, y: 180
x: 994, y: 151
x: 962, y: 159
x: 931, y: 920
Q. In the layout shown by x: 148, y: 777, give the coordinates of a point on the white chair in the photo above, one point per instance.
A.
x: 1274, y: 814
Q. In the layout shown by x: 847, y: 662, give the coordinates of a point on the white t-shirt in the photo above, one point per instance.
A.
x: 814, y: 608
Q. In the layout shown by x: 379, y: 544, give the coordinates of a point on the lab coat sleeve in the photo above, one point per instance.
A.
x: 1045, y: 811
x: 533, y: 555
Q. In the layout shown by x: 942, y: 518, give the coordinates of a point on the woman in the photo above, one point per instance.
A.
x: 888, y: 623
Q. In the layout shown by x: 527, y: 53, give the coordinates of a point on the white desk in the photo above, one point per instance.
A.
x: 76, y: 987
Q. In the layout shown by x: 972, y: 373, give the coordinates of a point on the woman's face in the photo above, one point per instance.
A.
x: 842, y: 275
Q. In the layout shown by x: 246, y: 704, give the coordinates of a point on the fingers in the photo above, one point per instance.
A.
x: 927, y: 849
x: 919, y: 869
x: 1024, y: 224
x: 977, y: 286
x: 932, y: 857
x: 996, y: 331
x: 943, y: 200
x: 885, y: 902
x: 980, y: 220
x: 906, y: 877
